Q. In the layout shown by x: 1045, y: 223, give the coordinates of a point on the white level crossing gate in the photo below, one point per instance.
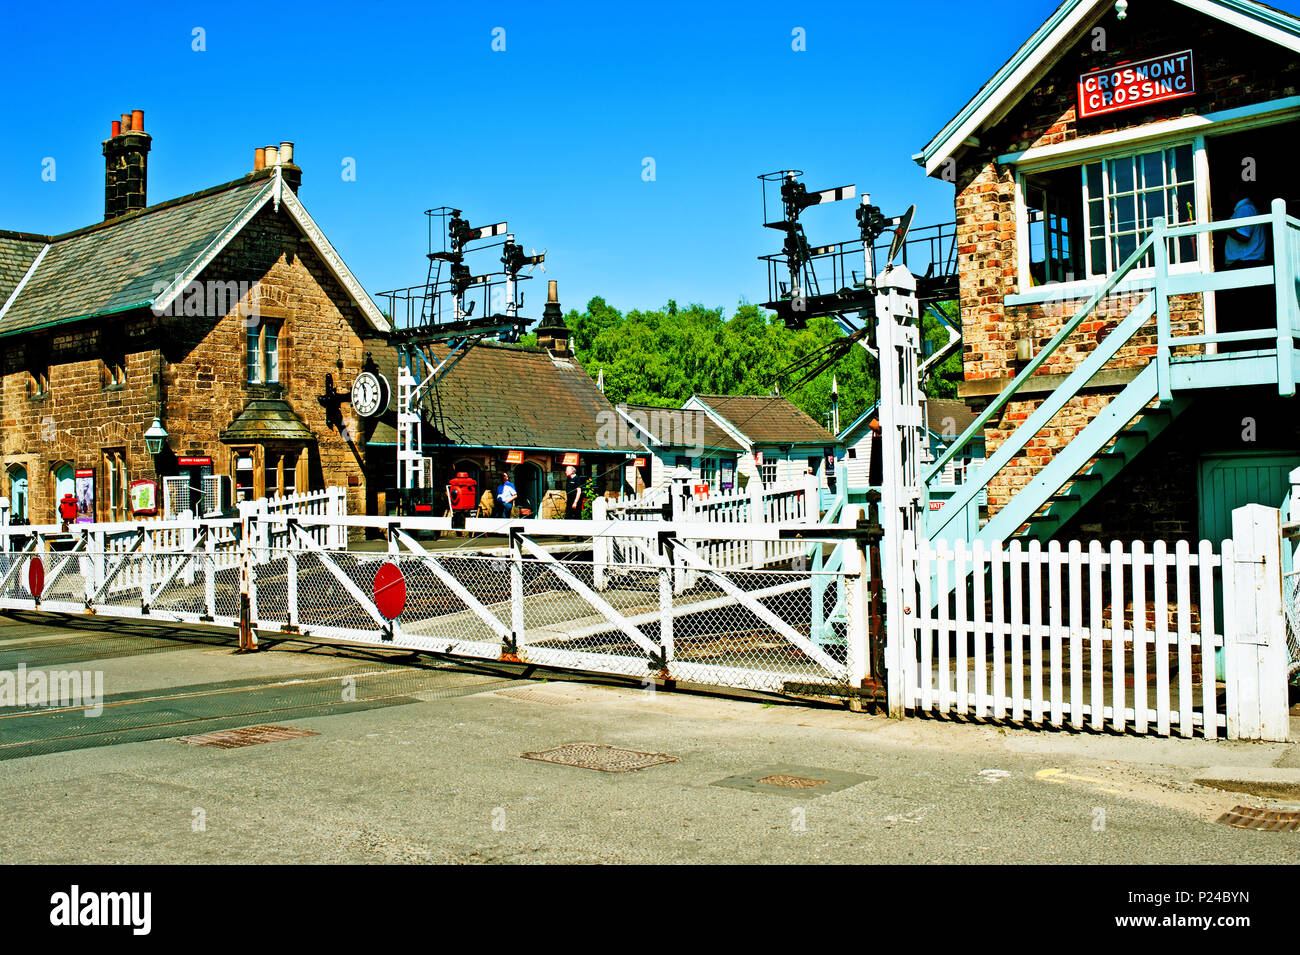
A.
x: 676, y: 617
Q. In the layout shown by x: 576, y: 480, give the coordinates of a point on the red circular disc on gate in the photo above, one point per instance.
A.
x: 390, y: 590
x: 35, y: 576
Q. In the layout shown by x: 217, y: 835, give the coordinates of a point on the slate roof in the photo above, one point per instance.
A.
x: 113, y: 266
x: 17, y: 253
x: 939, y: 410
x: 508, y: 396
x: 267, y: 419
x: 682, y: 427
x: 767, y: 419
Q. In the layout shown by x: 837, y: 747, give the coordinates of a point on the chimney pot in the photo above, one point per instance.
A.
x: 272, y: 156
x: 126, y: 166
x: 286, y: 152
x: 259, y: 158
x: 552, y: 295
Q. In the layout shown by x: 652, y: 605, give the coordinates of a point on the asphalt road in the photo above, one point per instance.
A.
x: 422, y: 763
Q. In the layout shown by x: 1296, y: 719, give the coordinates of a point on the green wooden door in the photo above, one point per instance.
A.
x: 1230, y: 481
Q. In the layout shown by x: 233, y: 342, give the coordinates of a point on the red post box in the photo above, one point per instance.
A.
x: 463, y: 492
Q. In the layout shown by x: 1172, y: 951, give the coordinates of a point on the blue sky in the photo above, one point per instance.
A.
x: 550, y: 134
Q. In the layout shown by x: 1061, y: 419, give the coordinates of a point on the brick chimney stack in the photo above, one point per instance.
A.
x: 126, y: 165
x: 552, y: 333
x: 270, y: 157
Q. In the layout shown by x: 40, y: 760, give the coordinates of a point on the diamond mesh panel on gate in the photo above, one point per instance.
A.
x: 761, y: 639
x: 1291, y: 605
x: 751, y: 629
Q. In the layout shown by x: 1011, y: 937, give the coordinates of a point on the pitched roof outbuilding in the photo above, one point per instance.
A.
x: 511, y: 396
x: 682, y: 428
x: 767, y: 419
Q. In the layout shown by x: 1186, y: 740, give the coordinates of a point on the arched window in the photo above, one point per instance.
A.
x: 18, y: 493
x: 64, y: 482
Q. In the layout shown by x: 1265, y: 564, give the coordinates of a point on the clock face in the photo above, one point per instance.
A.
x: 369, y: 394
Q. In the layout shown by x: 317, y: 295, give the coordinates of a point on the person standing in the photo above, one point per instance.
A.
x: 1246, y: 247
x: 573, y: 491
x: 506, y: 495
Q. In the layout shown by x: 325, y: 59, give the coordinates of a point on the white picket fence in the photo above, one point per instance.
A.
x: 1121, y: 637
x: 795, y: 502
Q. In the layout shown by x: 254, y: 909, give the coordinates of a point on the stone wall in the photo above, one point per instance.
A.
x: 82, y: 414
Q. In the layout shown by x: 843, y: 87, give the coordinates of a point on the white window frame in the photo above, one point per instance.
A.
x: 1107, y: 196
x: 261, y: 355
x: 1027, y: 293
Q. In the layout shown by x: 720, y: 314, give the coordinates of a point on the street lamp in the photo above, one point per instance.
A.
x: 155, y: 436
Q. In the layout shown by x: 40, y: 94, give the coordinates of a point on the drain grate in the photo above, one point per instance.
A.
x: 792, y: 782
x: 607, y: 759
x: 795, y: 782
x: 1272, y: 820
x: 246, y: 736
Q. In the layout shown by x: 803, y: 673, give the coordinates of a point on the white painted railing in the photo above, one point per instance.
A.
x: 785, y: 503
x: 331, y: 502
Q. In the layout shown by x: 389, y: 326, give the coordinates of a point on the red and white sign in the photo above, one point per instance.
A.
x: 701, y: 492
x: 936, y: 505
x: 1128, y: 85
x: 194, y: 462
x: 514, y: 457
x: 35, y: 576
x: 570, y: 458
x: 639, y: 462
x: 390, y: 590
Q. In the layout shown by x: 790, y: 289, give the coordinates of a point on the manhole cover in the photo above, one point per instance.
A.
x: 799, y: 782
x: 607, y: 759
x: 792, y: 782
x: 246, y: 736
x: 1273, y: 820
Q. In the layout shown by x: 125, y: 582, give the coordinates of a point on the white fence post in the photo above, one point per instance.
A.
x: 1255, y: 629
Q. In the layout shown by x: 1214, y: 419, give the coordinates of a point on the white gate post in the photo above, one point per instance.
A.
x: 187, y: 547
x: 516, y: 589
x: 757, y: 549
x: 666, y: 603
x: 209, y: 572
x: 599, y: 543
x: 1255, y: 629
x: 856, y: 602
x: 146, y: 572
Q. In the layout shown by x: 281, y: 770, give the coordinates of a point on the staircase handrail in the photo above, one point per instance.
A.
x: 976, y: 427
